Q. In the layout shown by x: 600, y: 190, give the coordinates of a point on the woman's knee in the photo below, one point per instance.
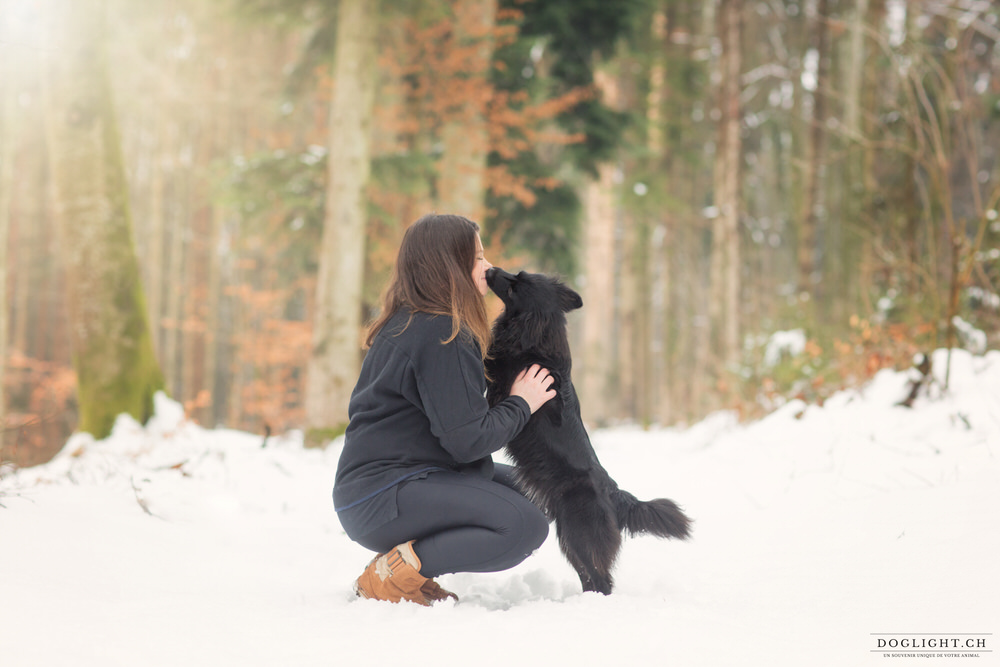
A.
x: 532, y: 531
x: 537, y: 528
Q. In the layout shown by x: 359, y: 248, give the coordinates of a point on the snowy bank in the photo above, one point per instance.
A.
x: 818, y: 532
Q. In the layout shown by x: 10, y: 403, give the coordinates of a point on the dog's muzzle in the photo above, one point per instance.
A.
x: 497, y: 278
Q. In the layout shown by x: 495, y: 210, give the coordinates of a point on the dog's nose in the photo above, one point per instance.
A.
x: 490, y: 272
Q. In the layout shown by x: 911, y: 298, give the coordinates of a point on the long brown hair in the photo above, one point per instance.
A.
x: 433, y: 274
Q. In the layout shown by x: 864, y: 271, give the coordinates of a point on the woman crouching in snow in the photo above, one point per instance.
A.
x: 416, y: 482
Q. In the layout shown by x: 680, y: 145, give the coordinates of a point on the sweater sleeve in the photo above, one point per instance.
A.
x: 452, y: 389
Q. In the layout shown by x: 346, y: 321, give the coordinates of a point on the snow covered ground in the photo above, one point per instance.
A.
x: 822, y: 534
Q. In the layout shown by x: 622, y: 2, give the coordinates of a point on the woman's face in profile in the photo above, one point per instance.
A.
x: 479, y: 268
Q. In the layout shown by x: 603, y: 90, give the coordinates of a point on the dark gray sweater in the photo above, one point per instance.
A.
x: 418, y: 406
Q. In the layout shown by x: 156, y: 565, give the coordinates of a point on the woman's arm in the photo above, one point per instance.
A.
x: 452, y: 389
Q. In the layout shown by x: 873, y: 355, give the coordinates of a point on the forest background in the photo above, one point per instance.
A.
x: 757, y: 200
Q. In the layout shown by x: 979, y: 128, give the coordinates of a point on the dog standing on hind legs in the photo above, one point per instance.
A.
x: 555, y: 463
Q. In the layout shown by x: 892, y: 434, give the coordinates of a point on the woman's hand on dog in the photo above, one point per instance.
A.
x: 534, y: 385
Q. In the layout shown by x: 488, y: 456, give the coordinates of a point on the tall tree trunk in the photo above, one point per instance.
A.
x: 112, y: 348
x: 855, y: 70
x: 627, y: 270
x: 697, y: 337
x: 725, y: 303
x: 212, y: 413
x: 912, y: 215
x: 196, y: 278
x: 175, y: 284
x: 644, y: 393
x: 656, y: 404
x: 336, y: 354
x: 465, y: 136
x: 598, y: 296
x: 812, y: 190
x: 662, y: 343
x: 875, y: 18
x: 155, y: 244
x: 855, y: 195
x: 598, y: 292
x: 8, y: 110
x: 239, y: 372
x: 29, y: 226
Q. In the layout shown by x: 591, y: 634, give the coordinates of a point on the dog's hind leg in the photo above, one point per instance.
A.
x: 589, y: 537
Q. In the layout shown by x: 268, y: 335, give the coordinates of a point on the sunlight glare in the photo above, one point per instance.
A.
x: 21, y: 23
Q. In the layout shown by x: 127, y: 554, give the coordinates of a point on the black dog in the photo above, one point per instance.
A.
x: 555, y: 463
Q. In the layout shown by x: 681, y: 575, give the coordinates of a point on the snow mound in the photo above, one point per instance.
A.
x: 814, y: 528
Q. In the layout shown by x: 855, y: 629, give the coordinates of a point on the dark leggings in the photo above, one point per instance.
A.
x: 463, y: 523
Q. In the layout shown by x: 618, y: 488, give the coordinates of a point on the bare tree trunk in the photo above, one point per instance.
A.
x: 8, y: 145
x: 34, y: 266
x: 866, y: 273
x: 855, y: 194
x: 465, y: 136
x: 336, y: 353
x: 645, y: 387
x: 653, y: 375
x: 215, y: 254
x: 701, y: 397
x: 113, y: 352
x: 627, y: 269
x: 155, y: 245
x: 598, y: 292
x: 692, y: 334
x: 661, y: 368
x: 214, y: 295
x: 855, y: 70
x: 195, y: 277
x: 598, y: 296
x: 27, y: 226
x: 175, y: 287
x: 812, y: 195
x: 239, y: 372
x: 218, y: 246
x: 725, y: 302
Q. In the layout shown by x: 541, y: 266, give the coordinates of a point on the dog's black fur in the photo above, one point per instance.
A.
x: 555, y: 463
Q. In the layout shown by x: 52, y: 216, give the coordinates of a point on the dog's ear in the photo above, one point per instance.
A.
x: 569, y: 300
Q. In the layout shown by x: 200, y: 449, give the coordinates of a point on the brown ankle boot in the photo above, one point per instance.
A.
x: 393, y: 577
x: 432, y: 591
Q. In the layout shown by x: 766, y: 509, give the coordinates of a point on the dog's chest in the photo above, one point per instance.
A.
x: 551, y: 449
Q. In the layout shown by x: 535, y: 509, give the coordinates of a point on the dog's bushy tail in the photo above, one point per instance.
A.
x: 660, y: 517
